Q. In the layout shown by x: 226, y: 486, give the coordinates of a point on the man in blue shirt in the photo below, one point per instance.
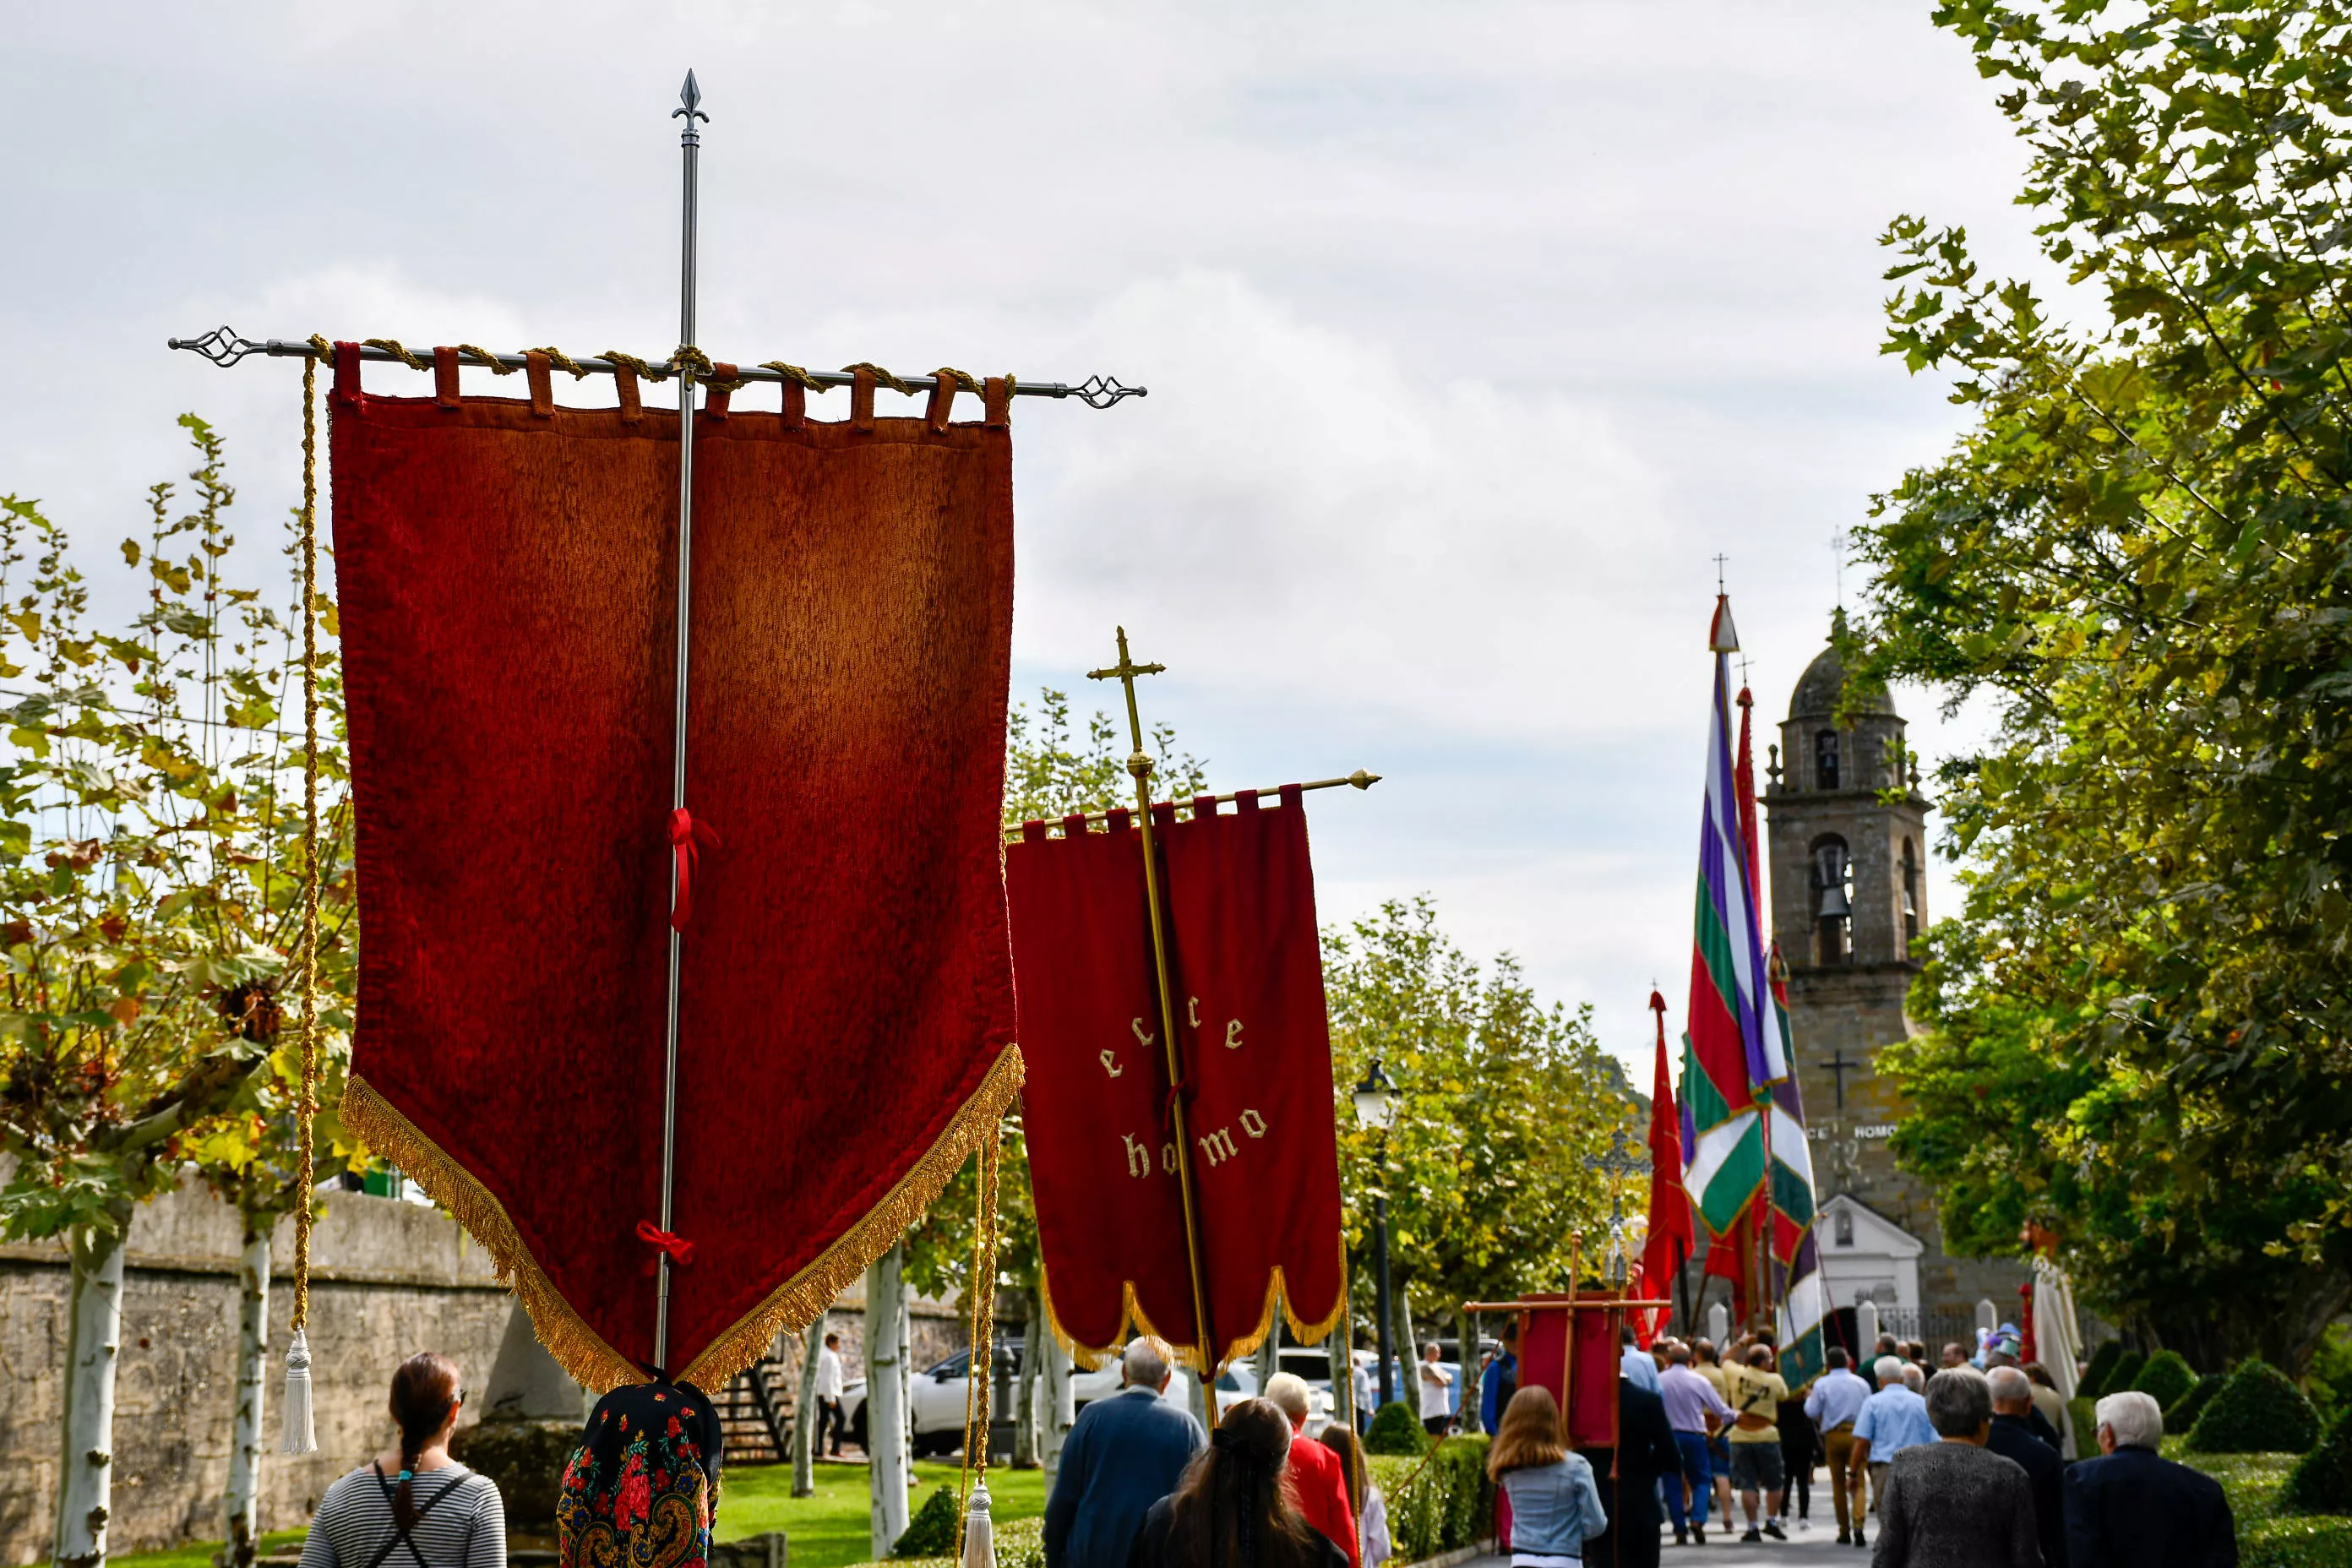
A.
x: 1501, y: 1382
x: 1125, y: 1454
x: 1695, y: 1411
x: 1835, y: 1404
x: 1893, y: 1419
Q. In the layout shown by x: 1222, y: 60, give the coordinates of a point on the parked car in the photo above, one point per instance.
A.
x: 938, y: 1394
x: 1239, y: 1382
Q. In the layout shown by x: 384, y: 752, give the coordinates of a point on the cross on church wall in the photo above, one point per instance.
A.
x: 1839, y: 1067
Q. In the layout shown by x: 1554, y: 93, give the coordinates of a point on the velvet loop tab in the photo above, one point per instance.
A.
x: 680, y: 1250
x: 633, y: 402
x: 508, y: 572
x: 686, y: 838
x: 861, y: 398
x: 445, y: 377
x: 543, y: 392
x: 941, y: 403
x: 720, y: 391
x: 997, y: 401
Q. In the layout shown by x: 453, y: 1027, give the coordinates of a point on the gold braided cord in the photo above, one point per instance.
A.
x: 391, y: 346
x: 645, y: 372
x: 963, y: 378
x: 795, y: 375
x: 690, y: 361
x: 321, y: 347
x: 883, y: 376
x: 306, y: 1110
x: 981, y: 1377
x: 561, y: 360
x: 1012, y: 385
x: 494, y: 366
x: 735, y: 385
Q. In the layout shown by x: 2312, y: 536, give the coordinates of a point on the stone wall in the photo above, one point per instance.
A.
x: 389, y: 1278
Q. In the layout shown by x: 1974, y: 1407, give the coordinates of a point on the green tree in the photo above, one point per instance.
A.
x: 2140, y: 1026
x: 150, y: 875
x: 1506, y: 1103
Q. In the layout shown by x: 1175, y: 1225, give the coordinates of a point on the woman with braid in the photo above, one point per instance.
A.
x: 412, y: 1507
x: 1230, y: 1511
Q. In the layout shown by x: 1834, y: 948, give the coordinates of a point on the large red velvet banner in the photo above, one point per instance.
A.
x: 1256, y: 1068
x: 508, y: 585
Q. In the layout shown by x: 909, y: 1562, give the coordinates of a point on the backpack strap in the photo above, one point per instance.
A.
x: 401, y: 1536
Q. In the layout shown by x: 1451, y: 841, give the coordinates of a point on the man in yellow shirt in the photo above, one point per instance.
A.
x: 1704, y: 1361
x: 1755, y: 1392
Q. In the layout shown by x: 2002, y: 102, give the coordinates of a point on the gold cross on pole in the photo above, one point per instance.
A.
x: 1140, y: 765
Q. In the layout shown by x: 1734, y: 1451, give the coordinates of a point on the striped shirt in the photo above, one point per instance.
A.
x: 463, y: 1524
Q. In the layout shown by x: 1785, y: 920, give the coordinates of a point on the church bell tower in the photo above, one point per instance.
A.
x: 1847, y: 834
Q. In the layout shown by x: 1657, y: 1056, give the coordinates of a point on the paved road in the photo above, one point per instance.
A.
x: 1816, y: 1548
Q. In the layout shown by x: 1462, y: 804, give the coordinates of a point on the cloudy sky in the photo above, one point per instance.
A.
x: 1475, y: 332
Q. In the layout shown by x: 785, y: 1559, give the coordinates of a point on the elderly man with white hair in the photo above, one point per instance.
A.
x: 2013, y: 1437
x: 1893, y: 1419
x: 1125, y: 1453
x: 2132, y: 1508
x: 1317, y: 1484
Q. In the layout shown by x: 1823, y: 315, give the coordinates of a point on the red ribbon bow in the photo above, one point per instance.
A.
x: 680, y: 1250
x: 686, y: 835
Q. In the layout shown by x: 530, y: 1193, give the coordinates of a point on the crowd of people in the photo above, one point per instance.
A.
x: 1961, y: 1468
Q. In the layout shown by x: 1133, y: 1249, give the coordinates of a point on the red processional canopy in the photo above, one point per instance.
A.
x: 509, y: 604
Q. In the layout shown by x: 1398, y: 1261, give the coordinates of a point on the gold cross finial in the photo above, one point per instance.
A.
x: 1124, y: 672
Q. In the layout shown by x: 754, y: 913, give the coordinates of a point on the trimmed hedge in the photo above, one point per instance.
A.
x: 2257, y: 1411
x: 1020, y: 1544
x: 1395, y: 1430
x: 2269, y: 1535
x: 932, y: 1532
x: 2102, y: 1367
x: 2167, y: 1377
x: 2123, y: 1374
x: 1450, y: 1504
x: 2322, y: 1481
x: 2086, y: 1412
x: 2180, y: 1417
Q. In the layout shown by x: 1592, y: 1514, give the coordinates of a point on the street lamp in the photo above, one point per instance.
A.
x: 1376, y: 1106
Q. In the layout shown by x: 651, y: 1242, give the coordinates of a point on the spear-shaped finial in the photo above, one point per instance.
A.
x: 691, y: 97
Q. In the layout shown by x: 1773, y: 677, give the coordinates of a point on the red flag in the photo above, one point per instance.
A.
x: 1673, y: 1234
x: 509, y: 601
x: 1256, y: 1049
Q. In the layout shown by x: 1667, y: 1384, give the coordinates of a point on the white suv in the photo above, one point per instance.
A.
x: 939, y: 1394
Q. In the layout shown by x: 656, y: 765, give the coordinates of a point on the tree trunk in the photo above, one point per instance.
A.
x: 885, y: 1400
x: 252, y: 1392
x: 1408, y: 1349
x: 85, y: 1470
x: 804, y: 1410
x: 1267, y: 1360
x: 1057, y: 1396
x: 1025, y: 1398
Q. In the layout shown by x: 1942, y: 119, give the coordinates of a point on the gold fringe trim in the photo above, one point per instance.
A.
x: 794, y: 1304
x: 576, y: 1347
x: 1132, y: 1317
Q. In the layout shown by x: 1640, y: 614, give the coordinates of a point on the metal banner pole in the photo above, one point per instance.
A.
x: 690, y: 144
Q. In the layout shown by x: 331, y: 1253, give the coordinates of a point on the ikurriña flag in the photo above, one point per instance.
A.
x: 1254, y: 1043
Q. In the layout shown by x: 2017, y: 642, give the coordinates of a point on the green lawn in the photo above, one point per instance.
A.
x: 199, y: 1553
x: 829, y: 1529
